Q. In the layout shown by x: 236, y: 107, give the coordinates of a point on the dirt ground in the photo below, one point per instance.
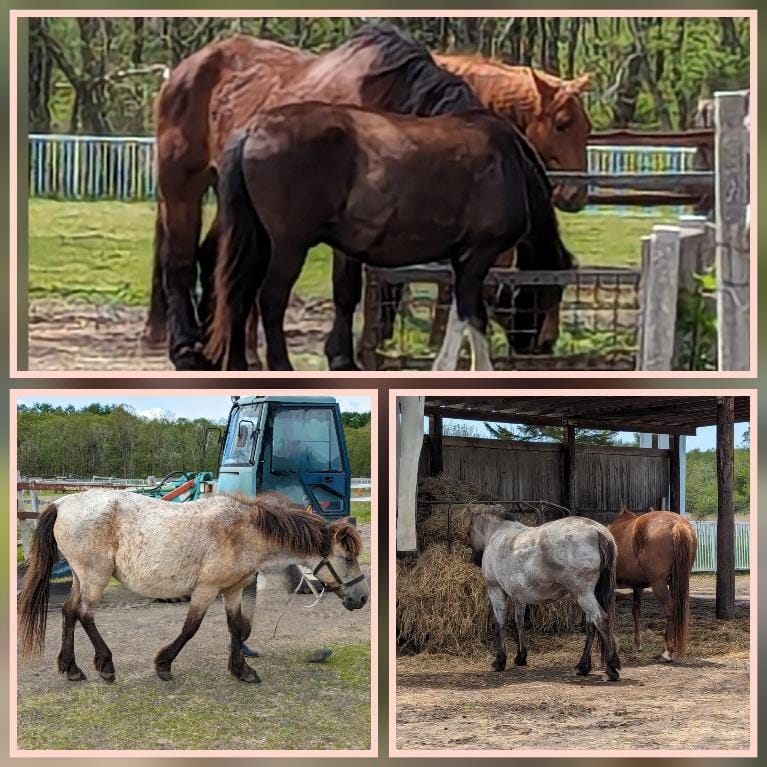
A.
x: 298, y: 705
x: 699, y: 702
x: 73, y: 335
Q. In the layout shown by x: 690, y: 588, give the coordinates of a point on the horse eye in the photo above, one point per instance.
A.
x: 562, y: 127
x: 349, y: 560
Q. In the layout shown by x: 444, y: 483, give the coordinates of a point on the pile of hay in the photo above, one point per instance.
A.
x: 442, y: 603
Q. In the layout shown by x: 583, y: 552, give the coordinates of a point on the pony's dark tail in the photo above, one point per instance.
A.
x: 33, y: 599
x: 604, y: 591
x: 243, y: 255
x: 685, y: 547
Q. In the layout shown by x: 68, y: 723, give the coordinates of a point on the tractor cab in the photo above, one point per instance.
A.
x: 294, y: 445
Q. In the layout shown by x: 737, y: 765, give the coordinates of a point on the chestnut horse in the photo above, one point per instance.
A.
x: 219, y: 88
x: 657, y: 550
x: 388, y: 190
x: 212, y: 546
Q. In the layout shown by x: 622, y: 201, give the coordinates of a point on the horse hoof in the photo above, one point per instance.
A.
x: 250, y: 676
x: 496, y: 666
x: 76, y: 675
x: 520, y: 660
x: 582, y: 671
x: 190, y: 358
x: 342, y: 363
x: 665, y: 657
x: 166, y: 676
x: 107, y: 677
x: 612, y: 675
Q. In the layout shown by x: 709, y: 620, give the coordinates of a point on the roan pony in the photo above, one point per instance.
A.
x: 534, y: 565
x: 158, y: 549
x: 385, y: 189
x: 657, y: 550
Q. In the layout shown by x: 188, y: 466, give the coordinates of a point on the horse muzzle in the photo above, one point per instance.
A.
x: 570, y: 198
x: 355, y: 602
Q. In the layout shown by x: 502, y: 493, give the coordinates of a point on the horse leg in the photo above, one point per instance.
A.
x: 500, y: 606
x: 597, y: 617
x: 347, y: 294
x: 66, y: 658
x: 91, y: 591
x: 178, y: 256
x: 201, y: 599
x: 519, y: 619
x: 584, y: 664
x: 154, y: 334
x: 206, y: 256
x: 251, y: 339
x: 284, y: 268
x: 663, y: 595
x: 470, y: 273
x: 239, y: 631
x: 636, y: 610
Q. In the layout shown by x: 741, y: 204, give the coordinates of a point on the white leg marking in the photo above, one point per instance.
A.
x: 666, y: 656
x: 447, y: 359
x: 480, y: 350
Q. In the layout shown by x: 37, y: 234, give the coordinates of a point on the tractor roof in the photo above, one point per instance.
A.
x: 287, y: 400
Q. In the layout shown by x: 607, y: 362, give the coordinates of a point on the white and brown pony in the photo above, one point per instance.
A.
x: 158, y: 549
x: 535, y: 565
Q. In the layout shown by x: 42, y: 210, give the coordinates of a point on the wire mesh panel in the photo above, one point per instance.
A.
x: 579, y: 319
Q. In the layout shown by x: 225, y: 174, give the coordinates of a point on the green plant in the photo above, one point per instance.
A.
x: 696, y: 323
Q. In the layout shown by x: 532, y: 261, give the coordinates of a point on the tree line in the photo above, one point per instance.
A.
x: 113, y: 440
x: 100, y: 75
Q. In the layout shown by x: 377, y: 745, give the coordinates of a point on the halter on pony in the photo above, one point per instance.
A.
x: 339, y: 584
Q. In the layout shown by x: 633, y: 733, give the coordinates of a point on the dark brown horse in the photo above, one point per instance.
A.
x: 384, y: 189
x: 218, y: 89
x: 657, y: 550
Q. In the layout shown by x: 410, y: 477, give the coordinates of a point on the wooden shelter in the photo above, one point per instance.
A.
x: 675, y: 416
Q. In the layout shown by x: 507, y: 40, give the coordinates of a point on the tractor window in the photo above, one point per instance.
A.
x: 242, y: 435
x: 305, y: 439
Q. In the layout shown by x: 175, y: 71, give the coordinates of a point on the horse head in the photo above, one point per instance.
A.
x: 339, y: 569
x: 559, y: 129
x: 481, y: 527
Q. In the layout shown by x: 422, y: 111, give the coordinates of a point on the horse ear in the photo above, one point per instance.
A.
x: 546, y: 90
x: 581, y: 84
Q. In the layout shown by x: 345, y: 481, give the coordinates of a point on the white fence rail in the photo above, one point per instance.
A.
x: 705, y: 559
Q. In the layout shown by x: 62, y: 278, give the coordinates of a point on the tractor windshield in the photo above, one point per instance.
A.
x: 304, y: 440
x: 241, y: 436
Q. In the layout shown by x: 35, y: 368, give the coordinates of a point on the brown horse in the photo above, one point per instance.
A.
x: 657, y: 550
x: 385, y: 189
x: 216, y: 91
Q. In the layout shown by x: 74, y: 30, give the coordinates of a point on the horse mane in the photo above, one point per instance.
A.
x: 293, y: 528
x: 406, y: 79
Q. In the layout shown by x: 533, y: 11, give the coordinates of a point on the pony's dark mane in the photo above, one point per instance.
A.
x: 406, y: 79
x: 296, y: 530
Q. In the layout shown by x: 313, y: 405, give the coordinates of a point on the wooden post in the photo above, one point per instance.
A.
x: 732, y: 238
x: 435, y: 445
x: 409, y: 426
x: 568, y: 453
x: 674, y: 471
x: 725, y: 525
x: 660, y: 280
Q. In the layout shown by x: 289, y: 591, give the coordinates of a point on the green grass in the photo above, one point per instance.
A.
x: 102, y: 251
x: 298, y: 705
x: 361, y: 511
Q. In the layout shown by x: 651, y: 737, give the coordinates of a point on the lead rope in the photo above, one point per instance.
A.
x: 318, y: 597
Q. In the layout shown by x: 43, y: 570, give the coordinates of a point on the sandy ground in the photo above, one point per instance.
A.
x: 204, y: 706
x: 67, y: 335
x: 699, y: 702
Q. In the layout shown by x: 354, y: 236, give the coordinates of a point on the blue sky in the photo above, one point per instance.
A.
x: 705, y: 439
x: 212, y: 407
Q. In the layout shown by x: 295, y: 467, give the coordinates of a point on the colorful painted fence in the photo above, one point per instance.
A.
x: 705, y: 559
x: 123, y: 168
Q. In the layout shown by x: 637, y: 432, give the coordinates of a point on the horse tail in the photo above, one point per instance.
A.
x: 154, y: 331
x: 604, y: 591
x: 685, y: 547
x: 33, y: 599
x: 240, y: 263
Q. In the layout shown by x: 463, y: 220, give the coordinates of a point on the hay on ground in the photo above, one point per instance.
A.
x: 442, y: 606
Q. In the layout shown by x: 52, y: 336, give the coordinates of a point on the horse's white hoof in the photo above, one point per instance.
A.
x: 666, y: 657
